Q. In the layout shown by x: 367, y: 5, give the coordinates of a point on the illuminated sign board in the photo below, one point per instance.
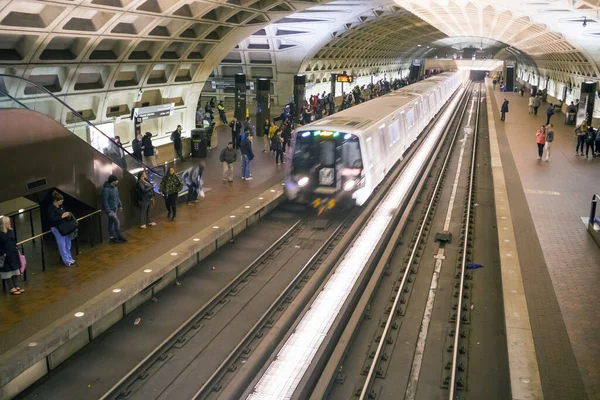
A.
x: 162, y: 110
x: 345, y: 78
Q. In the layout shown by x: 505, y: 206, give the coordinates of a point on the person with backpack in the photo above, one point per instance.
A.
x: 581, y: 132
x: 541, y: 140
x: 170, y: 186
x: 177, y: 144
x: 549, y: 113
x: 590, y: 139
x: 145, y: 196
x: 504, y: 110
x: 192, y: 177
x: 62, y: 226
x: 549, y: 140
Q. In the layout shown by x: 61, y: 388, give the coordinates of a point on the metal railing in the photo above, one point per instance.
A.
x: 17, y: 92
x: 92, y: 238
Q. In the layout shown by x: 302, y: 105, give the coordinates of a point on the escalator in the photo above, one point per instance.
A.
x: 38, y: 153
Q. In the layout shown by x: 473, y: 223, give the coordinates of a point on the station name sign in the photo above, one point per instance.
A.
x: 229, y: 84
x: 162, y: 110
x: 344, y: 78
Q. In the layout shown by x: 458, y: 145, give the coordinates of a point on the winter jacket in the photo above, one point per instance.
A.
x: 276, y: 143
x: 550, y: 110
x: 55, y: 215
x: 236, y: 127
x: 171, y: 184
x: 8, y: 247
x: 136, y: 146
x: 145, y: 191
x: 504, y: 107
x: 246, y: 148
x: 111, y: 202
x: 176, y: 139
x: 228, y: 155
x: 192, y: 175
x: 537, y: 101
x: 148, y: 147
x: 550, y: 136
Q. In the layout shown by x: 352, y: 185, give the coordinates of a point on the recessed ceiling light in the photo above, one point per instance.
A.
x: 32, y: 344
x: 215, y: 227
x: 79, y: 314
x: 147, y: 271
x: 173, y: 254
x: 272, y: 190
x: 247, y: 207
x: 196, y: 240
x: 116, y: 290
x: 261, y: 198
x: 232, y: 216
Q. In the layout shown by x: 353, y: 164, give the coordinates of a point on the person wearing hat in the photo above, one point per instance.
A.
x: 111, y: 205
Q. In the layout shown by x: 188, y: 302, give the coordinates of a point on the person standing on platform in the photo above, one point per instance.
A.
x: 265, y: 135
x: 522, y: 90
x: 192, y: 177
x: 61, y: 222
x: 247, y: 156
x: 531, y: 101
x: 504, y: 110
x: 537, y: 101
x: 249, y: 127
x: 286, y: 135
x: 549, y: 113
x: 10, y: 258
x: 228, y: 156
x: 580, y: 131
x: 598, y: 142
x: 170, y: 186
x: 149, y: 151
x: 111, y: 204
x: 145, y: 195
x: 177, y: 145
x: 278, y: 147
x: 136, y: 146
x: 549, y: 140
x: 541, y: 140
x: 590, y: 139
x: 494, y: 83
x: 221, y: 109
x: 236, y: 131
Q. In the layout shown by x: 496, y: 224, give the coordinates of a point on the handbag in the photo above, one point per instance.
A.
x: 23, y: 262
x: 68, y: 226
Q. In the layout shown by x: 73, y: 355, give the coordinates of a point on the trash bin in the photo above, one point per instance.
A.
x: 199, y: 146
x: 570, y: 118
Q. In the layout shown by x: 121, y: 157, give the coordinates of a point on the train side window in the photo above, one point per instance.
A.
x: 394, y: 132
x: 369, y: 145
x: 410, y: 118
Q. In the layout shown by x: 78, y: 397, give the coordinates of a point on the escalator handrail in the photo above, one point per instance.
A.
x: 74, y: 112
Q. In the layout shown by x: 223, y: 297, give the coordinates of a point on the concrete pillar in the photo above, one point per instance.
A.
x: 299, y: 94
x: 586, y: 102
x: 240, y: 97
x: 263, y: 102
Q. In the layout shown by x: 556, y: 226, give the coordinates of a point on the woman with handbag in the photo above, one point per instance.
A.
x: 63, y: 224
x: 10, y: 259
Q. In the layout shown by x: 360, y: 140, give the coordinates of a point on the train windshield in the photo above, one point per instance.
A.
x: 351, y: 154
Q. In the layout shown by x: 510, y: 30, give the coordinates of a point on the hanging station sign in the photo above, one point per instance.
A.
x: 159, y: 111
x: 344, y: 78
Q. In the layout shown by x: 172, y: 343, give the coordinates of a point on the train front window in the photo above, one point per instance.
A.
x: 303, y: 152
x: 351, y: 154
x: 327, y: 153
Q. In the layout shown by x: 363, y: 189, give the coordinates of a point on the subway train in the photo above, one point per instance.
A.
x: 346, y: 155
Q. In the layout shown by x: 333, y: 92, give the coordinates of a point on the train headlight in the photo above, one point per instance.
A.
x: 303, y: 181
x: 349, y: 185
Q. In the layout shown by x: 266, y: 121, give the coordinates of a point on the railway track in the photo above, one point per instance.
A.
x: 395, y: 337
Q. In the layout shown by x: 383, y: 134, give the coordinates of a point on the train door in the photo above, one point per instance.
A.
x: 328, y: 158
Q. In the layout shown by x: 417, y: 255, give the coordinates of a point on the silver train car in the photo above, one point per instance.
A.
x: 348, y: 154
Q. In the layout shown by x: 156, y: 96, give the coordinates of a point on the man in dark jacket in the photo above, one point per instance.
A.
x: 228, y: 157
x: 111, y: 205
x: 549, y: 113
x: 136, y: 146
x: 176, y: 139
x: 247, y: 156
x: 236, y: 131
x: 149, y: 151
x: 504, y: 110
x: 248, y: 127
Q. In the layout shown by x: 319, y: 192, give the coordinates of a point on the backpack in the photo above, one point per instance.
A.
x: 589, y: 136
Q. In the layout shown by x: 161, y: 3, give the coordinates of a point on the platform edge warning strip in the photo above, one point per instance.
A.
x: 524, y: 372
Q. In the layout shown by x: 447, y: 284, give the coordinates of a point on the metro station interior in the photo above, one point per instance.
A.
x: 300, y: 199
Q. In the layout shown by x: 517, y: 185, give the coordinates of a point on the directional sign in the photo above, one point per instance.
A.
x: 159, y: 111
x: 345, y: 78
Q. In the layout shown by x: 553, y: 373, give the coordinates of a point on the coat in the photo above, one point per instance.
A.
x: 148, y: 147
x: 171, y: 184
x: 8, y: 247
x: 276, y: 143
x: 55, y: 215
x: 145, y: 191
x: 111, y: 202
x: 246, y: 148
x: 504, y: 107
x: 228, y: 155
x: 176, y: 139
x: 236, y: 128
x: 136, y: 146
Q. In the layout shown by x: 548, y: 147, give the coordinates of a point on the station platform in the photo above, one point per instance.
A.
x: 38, y: 329
x: 559, y: 261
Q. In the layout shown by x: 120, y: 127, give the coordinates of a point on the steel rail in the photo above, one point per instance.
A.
x: 209, y: 385
x: 452, y: 387
x: 115, y: 391
x: 371, y: 374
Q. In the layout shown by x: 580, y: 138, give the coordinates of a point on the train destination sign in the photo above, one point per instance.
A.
x: 162, y: 110
x: 345, y: 78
